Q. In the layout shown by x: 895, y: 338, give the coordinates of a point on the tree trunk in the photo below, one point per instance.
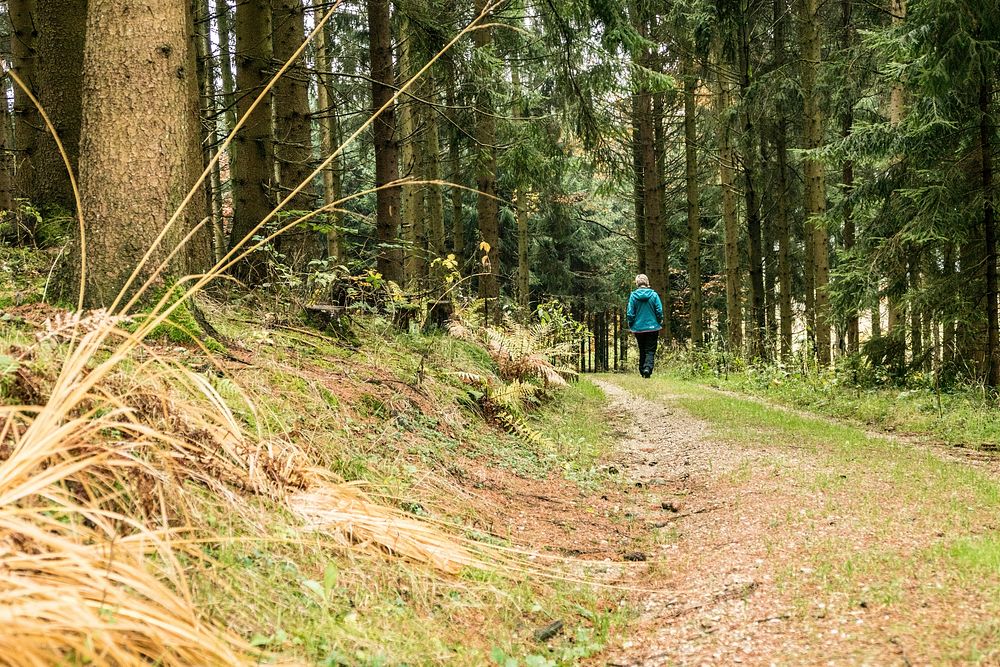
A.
x: 455, y: 162
x: 734, y: 310
x: 431, y: 160
x: 521, y: 208
x: 948, y: 340
x: 897, y: 270
x: 693, y: 212
x: 770, y: 258
x: 60, y: 77
x: 412, y: 210
x: 782, y: 226
x: 916, y: 338
x: 208, y: 134
x: 638, y: 188
x: 486, y: 174
x: 253, y: 147
x: 386, y: 147
x: 748, y: 159
x: 659, y: 235
x: 27, y: 121
x: 847, y: 172
x: 225, y: 26
x: 784, y: 240
x: 815, y: 181
x: 6, y: 185
x: 324, y: 117
x: 986, y: 131
x: 293, y: 148
x: 136, y: 49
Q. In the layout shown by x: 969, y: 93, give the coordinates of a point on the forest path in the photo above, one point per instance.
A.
x: 778, y: 539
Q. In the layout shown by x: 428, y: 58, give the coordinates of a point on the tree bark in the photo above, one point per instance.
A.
x: 693, y: 210
x: 431, y: 160
x: 782, y: 226
x: 948, y: 339
x: 486, y: 173
x: 815, y: 180
x: 135, y: 50
x: 324, y: 117
x: 412, y: 210
x: 749, y: 161
x: 6, y: 192
x: 916, y: 338
x: 225, y: 26
x: 390, y: 260
x: 208, y: 133
x: 638, y: 188
x: 455, y: 164
x: 986, y: 132
x: 293, y: 148
x: 60, y: 77
x: 847, y: 172
x: 521, y: 208
x: 734, y: 309
x: 253, y: 147
x: 660, y: 236
x: 27, y: 121
x: 786, y: 315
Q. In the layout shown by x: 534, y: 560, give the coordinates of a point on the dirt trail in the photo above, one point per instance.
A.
x: 731, y: 534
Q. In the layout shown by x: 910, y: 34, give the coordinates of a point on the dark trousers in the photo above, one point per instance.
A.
x: 647, y: 351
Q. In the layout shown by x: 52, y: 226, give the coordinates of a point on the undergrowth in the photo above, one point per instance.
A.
x: 297, y: 495
x: 958, y: 414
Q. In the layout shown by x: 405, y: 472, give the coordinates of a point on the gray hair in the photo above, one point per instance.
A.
x: 641, y: 280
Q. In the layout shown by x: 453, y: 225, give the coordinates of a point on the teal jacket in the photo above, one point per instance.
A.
x: 645, y: 311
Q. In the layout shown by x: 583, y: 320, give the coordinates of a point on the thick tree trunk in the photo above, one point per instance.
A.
x: 293, y: 148
x: 815, y: 179
x: 486, y: 174
x: 60, y: 77
x: 253, y: 148
x: 136, y: 49
x: 734, y: 310
x: 27, y: 121
x: 390, y: 260
x: 693, y: 210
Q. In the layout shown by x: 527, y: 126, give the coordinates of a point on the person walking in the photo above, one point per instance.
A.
x: 645, y: 319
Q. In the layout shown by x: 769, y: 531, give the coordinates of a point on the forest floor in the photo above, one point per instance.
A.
x: 760, y: 535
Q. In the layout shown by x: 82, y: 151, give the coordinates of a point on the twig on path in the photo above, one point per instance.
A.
x: 669, y: 520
